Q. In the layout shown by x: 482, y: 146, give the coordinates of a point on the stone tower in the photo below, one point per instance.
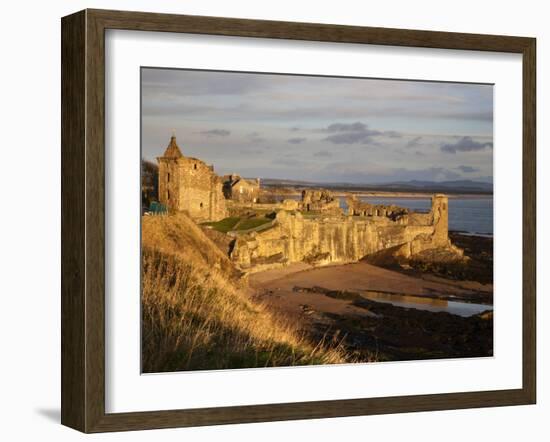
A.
x: 440, y: 212
x: 190, y: 185
x: 168, y: 175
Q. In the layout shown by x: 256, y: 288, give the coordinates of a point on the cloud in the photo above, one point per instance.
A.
x: 347, y: 127
x: 216, y: 133
x: 465, y: 144
x: 322, y: 154
x: 168, y: 83
x: 414, y: 142
x: 354, y: 173
x: 296, y: 140
x: 288, y: 162
x: 251, y: 151
x: 352, y: 133
x: 392, y: 134
x: 254, y: 137
x: 264, y: 111
x: 468, y: 169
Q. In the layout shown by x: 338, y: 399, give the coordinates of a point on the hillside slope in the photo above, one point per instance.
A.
x: 179, y: 235
x: 195, y: 314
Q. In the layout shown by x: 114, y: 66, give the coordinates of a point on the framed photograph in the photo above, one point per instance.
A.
x: 267, y: 221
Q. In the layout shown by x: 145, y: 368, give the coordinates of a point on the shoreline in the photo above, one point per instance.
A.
x: 382, y: 314
x: 387, y: 194
x: 414, y: 195
x: 472, y: 234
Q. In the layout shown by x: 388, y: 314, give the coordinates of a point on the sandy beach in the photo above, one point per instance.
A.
x: 279, y: 287
x: 379, y: 313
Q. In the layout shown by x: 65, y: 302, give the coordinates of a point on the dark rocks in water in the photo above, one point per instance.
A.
x: 395, y: 333
x: 306, y: 309
x: 338, y: 294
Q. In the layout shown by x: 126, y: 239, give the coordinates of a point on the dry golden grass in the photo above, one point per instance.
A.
x: 195, y: 315
x: 179, y: 235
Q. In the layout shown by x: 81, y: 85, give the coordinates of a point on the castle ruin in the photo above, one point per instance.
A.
x: 344, y: 239
x: 190, y: 185
x: 320, y: 200
x: 314, y: 230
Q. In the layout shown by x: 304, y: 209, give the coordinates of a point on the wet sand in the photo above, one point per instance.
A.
x: 362, y: 276
x: 332, y: 303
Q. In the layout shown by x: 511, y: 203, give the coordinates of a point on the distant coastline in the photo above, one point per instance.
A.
x: 294, y: 192
x: 419, y: 195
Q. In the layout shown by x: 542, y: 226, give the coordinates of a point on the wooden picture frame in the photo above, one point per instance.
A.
x: 83, y: 220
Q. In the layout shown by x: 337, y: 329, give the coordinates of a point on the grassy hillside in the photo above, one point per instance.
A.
x: 195, y: 314
x: 179, y: 235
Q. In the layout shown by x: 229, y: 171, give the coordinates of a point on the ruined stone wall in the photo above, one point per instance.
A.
x: 295, y: 238
x: 200, y: 190
x: 320, y: 200
x: 362, y: 208
x: 440, y: 213
x: 168, y: 183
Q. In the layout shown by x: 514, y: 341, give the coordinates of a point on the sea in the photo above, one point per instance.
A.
x: 468, y: 215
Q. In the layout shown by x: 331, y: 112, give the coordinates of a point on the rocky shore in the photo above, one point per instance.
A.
x: 390, y: 314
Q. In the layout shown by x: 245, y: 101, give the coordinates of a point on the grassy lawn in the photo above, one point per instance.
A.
x: 236, y: 223
x: 224, y: 225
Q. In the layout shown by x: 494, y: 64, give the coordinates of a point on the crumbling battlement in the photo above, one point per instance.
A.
x: 295, y: 238
x: 361, y: 208
x: 319, y: 200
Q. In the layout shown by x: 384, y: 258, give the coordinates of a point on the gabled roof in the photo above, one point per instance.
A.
x: 172, y: 150
x: 244, y: 181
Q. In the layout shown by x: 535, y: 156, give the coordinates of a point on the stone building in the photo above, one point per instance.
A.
x: 190, y: 185
x: 240, y: 189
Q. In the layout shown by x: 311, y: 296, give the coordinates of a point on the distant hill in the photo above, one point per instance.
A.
x: 455, y: 186
x: 458, y: 186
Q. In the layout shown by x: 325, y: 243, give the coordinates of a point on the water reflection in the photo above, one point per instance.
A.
x: 433, y: 305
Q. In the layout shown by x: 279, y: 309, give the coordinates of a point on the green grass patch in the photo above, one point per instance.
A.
x: 224, y: 225
x: 237, y: 223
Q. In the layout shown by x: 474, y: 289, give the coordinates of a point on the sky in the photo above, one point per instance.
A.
x: 321, y: 129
